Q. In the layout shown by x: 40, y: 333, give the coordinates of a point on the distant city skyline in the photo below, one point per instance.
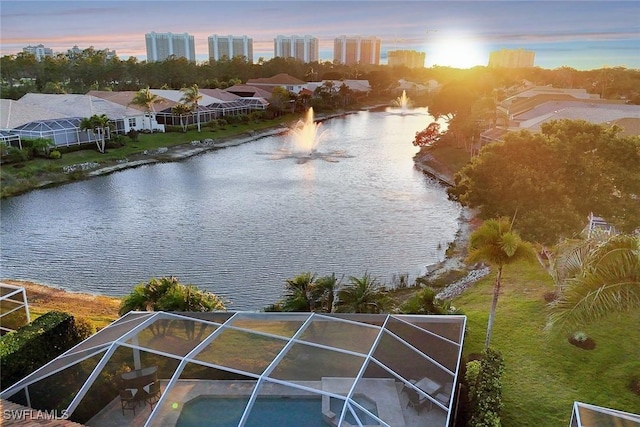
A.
x: 578, y: 34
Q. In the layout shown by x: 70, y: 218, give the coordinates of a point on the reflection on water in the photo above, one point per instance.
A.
x: 237, y: 223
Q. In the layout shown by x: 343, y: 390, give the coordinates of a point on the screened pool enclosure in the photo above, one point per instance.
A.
x: 585, y: 415
x: 255, y: 369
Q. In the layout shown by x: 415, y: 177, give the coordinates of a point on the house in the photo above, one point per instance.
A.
x: 360, y: 86
x: 535, y: 106
x: 248, y: 91
x: 283, y: 80
x: 58, y: 117
x: 249, y: 367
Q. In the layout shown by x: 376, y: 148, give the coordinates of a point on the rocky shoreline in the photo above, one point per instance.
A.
x: 428, y: 164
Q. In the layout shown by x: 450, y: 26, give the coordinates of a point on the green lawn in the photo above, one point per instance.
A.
x: 544, y: 374
x: 20, y: 177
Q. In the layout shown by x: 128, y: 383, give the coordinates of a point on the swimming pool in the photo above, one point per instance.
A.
x: 267, y: 411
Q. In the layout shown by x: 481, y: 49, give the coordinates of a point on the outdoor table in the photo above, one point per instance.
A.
x: 428, y: 385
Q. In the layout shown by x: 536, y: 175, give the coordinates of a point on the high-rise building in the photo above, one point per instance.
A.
x: 303, y: 48
x: 511, y: 58
x: 407, y: 58
x: 160, y: 46
x: 356, y: 50
x: 229, y: 47
x: 39, y: 51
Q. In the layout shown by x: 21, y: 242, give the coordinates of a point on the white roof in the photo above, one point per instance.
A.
x: 177, y: 95
x: 14, y: 114
x: 593, y: 113
x: 71, y: 105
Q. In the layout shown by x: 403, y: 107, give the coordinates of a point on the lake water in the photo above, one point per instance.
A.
x: 238, y: 223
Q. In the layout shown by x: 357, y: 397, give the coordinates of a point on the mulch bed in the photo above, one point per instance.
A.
x: 587, y: 344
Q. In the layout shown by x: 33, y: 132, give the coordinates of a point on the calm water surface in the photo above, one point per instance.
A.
x: 238, y: 223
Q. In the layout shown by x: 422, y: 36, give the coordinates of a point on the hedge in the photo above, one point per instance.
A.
x: 35, y: 344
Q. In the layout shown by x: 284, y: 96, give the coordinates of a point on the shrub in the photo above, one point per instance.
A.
x: 15, y: 155
x: 33, y: 345
x: 55, y: 154
x: 133, y: 134
x: 485, y: 393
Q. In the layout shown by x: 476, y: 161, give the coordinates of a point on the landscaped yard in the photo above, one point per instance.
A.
x: 544, y: 374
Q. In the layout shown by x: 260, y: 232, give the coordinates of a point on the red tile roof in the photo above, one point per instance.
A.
x: 278, y: 79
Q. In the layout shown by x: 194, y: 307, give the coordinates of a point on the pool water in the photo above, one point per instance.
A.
x: 266, y: 411
x: 369, y: 405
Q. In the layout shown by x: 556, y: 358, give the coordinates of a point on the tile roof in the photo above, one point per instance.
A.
x: 278, y: 79
x: 72, y: 105
x: 220, y: 94
x: 14, y: 114
x: 17, y: 415
x: 247, y: 90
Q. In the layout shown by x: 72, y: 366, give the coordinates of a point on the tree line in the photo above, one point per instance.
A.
x: 91, y: 69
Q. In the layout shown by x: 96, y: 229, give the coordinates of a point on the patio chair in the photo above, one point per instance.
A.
x: 128, y: 401
x: 416, y: 401
x: 153, y: 393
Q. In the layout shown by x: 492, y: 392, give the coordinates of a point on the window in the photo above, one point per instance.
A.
x: 132, y: 122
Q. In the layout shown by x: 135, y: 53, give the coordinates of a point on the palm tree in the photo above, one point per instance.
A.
x: 299, y: 293
x: 98, y: 125
x: 496, y: 243
x: 324, y: 292
x: 191, y: 97
x: 146, y: 99
x: 181, y: 110
x: 361, y: 295
x: 606, y: 279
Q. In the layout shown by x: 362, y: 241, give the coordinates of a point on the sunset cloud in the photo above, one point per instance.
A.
x: 610, y: 28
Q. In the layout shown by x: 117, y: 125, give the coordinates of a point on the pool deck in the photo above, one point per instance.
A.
x: 392, y: 404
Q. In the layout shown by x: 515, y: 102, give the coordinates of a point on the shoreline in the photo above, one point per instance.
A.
x: 426, y: 163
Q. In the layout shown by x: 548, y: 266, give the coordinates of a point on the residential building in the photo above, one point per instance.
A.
x: 511, y: 58
x: 59, y: 117
x: 406, y: 58
x: 39, y: 51
x: 531, y: 108
x: 302, y: 48
x: 161, y: 46
x: 283, y: 80
x: 230, y: 47
x: 356, y: 50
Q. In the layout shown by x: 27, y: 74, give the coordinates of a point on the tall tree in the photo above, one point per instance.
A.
x: 146, y: 99
x: 555, y: 179
x: 191, y: 98
x: 604, y: 279
x: 496, y: 243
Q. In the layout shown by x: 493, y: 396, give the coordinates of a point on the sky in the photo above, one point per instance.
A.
x: 578, y: 34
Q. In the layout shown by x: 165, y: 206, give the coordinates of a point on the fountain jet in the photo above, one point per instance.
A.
x: 403, y: 102
x: 304, y: 140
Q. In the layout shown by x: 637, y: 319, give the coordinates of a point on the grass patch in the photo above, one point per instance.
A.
x: 41, y: 171
x: 544, y: 374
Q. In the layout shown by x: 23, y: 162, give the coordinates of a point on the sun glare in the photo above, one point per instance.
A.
x: 457, y: 52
